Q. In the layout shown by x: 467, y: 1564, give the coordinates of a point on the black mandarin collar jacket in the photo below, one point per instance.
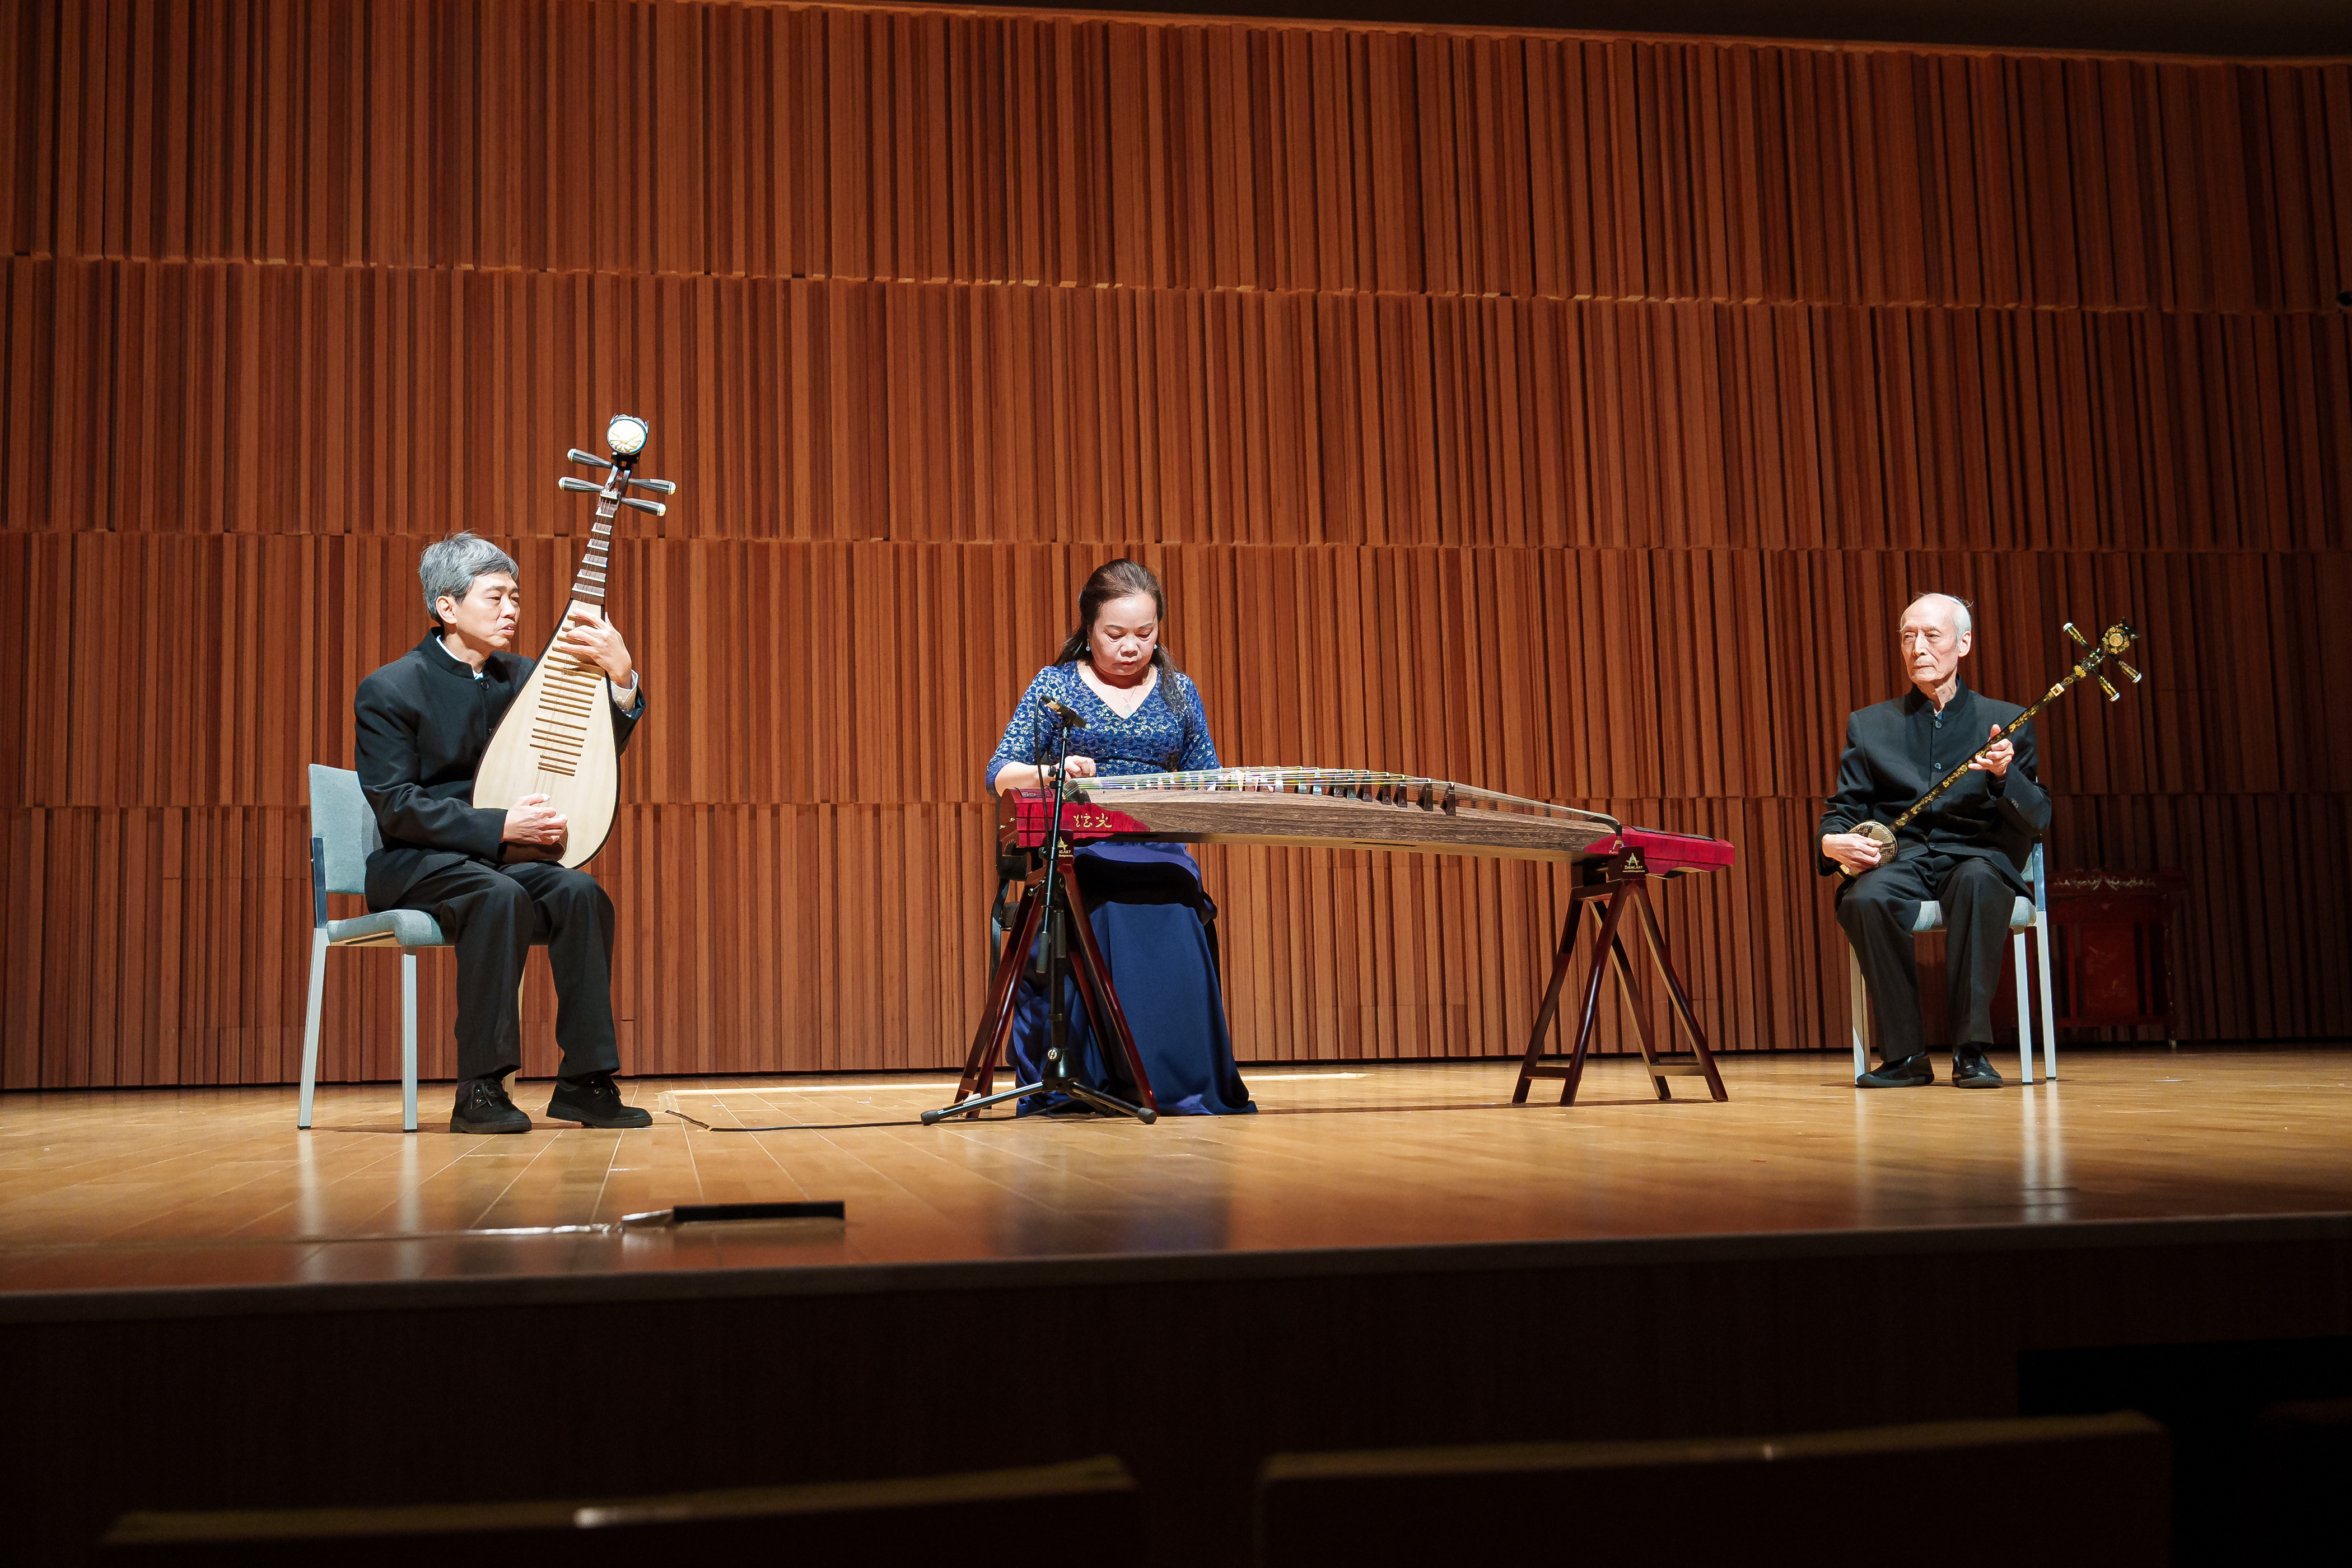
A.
x: 1894, y: 751
x: 424, y: 723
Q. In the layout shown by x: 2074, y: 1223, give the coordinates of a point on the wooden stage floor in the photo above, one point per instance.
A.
x: 194, y: 1187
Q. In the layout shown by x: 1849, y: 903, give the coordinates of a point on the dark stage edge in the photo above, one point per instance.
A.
x: 133, y: 1303
x: 313, y: 1394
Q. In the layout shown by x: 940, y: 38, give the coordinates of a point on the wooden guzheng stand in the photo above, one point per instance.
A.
x: 1357, y: 809
x: 1615, y: 876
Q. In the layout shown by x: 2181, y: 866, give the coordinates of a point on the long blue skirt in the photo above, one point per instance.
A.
x: 1147, y: 907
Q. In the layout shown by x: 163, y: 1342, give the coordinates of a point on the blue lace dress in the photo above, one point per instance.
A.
x: 1149, y: 912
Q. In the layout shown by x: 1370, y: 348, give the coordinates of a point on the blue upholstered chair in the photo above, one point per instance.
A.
x: 2031, y: 915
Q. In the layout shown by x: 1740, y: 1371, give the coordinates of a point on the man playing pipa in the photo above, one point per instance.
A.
x: 1968, y: 850
x: 489, y: 876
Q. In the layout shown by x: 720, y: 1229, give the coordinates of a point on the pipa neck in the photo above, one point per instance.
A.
x: 592, y: 577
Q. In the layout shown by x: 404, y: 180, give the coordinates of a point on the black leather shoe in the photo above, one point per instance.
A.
x: 1971, y: 1070
x: 483, y: 1107
x: 1910, y: 1072
x: 595, y: 1101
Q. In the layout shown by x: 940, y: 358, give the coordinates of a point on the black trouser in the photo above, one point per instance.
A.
x: 493, y: 914
x: 1876, y: 909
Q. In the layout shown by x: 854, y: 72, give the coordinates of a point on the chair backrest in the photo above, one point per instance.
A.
x: 342, y: 831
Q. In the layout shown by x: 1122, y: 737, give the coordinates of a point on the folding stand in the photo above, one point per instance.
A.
x: 1622, y: 880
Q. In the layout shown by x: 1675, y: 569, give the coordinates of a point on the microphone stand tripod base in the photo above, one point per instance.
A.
x: 1058, y: 1080
x: 1042, y: 912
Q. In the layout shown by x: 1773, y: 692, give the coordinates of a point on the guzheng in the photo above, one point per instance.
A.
x: 1354, y: 808
x: 1345, y: 808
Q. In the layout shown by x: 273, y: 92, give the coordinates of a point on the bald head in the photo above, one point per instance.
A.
x: 1936, y: 632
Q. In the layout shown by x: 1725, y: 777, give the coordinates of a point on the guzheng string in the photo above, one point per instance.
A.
x: 1358, y: 784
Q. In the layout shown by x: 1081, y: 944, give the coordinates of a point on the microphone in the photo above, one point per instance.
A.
x: 1071, y: 719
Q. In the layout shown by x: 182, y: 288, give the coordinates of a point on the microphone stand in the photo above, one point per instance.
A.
x: 1059, y: 1078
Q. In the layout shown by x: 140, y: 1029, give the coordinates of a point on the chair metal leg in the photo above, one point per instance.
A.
x: 310, y: 1014
x: 2024, y: 1009
x: 1858, y: 1010
x: 2049, y: 1010
x: 408, y: 1040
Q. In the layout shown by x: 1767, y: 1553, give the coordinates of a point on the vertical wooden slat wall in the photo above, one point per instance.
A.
x: 1566, y: 414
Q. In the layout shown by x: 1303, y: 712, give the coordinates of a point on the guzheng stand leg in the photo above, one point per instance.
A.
x: 1703, y: 1063
x: 997, y: 1018
x: 1629, y: 997
x: 1620, y: 885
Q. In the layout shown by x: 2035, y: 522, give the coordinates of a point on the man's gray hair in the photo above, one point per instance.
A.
x: 450, y: 565
x: 1962, y: 621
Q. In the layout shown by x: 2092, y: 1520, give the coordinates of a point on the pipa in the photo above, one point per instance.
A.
x: 557, y: 739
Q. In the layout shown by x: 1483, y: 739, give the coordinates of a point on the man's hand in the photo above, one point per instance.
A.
x: 532, y: 822
x: 1995, y: 759
x: 589, y: 638
x: 1851, y: 850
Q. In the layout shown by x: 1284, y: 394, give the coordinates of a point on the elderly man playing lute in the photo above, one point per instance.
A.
x: 1968, y: 851
x: 488, y: 876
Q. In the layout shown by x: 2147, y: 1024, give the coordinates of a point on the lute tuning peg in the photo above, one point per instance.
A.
x: 659, y: 486
x: 2128, y: 670
x: 568, y: 483
x: 2108, y: 687
x: 590, y: 458
x: 653, y: 507
x: 2076, y: 635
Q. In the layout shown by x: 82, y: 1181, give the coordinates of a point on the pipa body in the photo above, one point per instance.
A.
x: 557, y: 738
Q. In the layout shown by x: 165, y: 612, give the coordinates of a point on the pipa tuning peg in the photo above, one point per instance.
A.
x: 653, y: 507
x: 568, y: 483
x: 2108, y: 687
x: 590, y: 458
x: 2072, y: 632
x: 659, y: 486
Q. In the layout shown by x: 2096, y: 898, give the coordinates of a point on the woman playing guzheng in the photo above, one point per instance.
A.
x: 1145, y: 901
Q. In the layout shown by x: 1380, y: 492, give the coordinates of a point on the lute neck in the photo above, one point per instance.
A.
x: 2008, y: 730
x: 593, y: 575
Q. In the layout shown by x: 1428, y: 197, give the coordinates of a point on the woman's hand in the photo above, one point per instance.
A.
x: 1025, y: 775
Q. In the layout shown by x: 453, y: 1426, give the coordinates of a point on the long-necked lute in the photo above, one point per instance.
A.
x: 2111, y: 645
x: 557, y: 739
